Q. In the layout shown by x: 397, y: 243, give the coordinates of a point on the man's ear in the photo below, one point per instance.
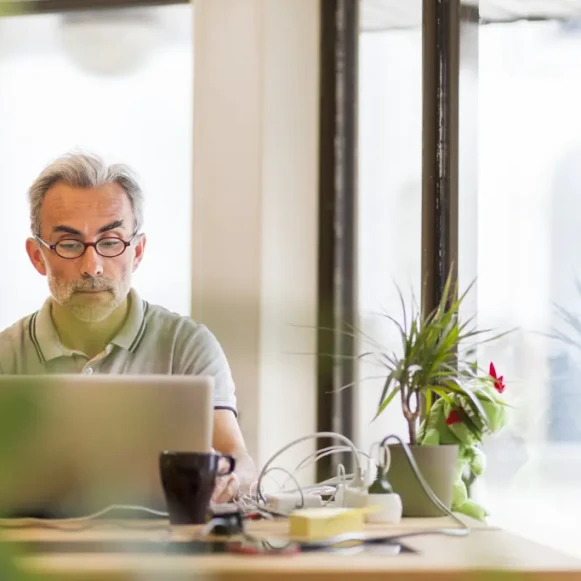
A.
x: 35, y: 255
x: 139, y: 250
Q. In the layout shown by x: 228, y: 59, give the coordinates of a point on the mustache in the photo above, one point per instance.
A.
x: 93, y: 285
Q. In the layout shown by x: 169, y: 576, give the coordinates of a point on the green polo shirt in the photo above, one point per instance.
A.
x: 152, y: 340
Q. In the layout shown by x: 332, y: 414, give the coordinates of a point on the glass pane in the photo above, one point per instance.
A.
x: 529, y: 217
x: 118, y: 84
x: 390, y: 184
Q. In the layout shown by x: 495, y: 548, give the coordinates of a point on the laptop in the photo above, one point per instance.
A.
x: 71, y: 445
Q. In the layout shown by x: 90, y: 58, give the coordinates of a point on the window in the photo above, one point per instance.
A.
x: 61, y: 90
x: 517, y: 234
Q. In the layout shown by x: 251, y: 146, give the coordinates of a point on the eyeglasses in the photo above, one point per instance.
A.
x: 70, y: 248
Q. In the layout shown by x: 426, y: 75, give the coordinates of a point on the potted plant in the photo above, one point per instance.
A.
x: 448, y: 402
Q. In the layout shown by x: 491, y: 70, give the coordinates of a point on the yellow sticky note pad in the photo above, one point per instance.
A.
x: 320, y: 523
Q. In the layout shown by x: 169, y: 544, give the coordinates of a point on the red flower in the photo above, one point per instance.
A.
x: 453, y: 418
x: 498, y: 381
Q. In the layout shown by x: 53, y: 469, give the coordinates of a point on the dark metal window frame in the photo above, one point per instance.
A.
x: 440, y: 71
x: 337, y: 274
x: 450, y: 42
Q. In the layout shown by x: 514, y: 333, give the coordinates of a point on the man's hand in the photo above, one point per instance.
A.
x: 226, y: 488
x: 228, y: 440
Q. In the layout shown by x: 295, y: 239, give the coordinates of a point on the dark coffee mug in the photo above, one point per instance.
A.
x: 188, y: 480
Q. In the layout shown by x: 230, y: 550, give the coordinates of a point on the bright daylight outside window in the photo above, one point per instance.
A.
x: 529, y: 275
x: 127, y: 97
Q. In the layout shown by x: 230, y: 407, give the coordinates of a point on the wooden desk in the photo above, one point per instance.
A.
x: 486, y: 553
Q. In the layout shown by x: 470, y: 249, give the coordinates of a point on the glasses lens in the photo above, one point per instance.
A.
x: 70, y: 248
x: 110, y: 247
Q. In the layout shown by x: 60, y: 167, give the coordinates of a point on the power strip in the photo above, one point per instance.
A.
x: 286, y: 502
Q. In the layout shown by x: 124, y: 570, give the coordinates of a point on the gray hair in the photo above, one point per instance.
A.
x: 84, y: 170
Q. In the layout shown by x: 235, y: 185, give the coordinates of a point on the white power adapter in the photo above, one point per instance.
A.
x: 355, y: 497
x: 286, y: 502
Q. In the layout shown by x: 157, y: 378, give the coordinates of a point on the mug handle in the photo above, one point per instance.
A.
x: 231, y: 466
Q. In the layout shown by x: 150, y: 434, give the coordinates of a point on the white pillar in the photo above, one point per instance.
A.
x: 255, y: 206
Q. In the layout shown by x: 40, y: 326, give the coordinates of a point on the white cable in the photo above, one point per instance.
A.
x: 325, y: 484
x: 300, y: 490
x: 316, y: 452
x: 341, y: 476
x: 386, y: 460
x: 315, y: 456
x: 349, y: 443
x: 19, y: 522
x: 245, y: 502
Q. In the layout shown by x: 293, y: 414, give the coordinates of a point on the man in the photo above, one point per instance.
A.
x: 86, y: 220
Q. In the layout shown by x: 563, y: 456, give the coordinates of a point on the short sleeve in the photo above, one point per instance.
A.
x: 198, y: 352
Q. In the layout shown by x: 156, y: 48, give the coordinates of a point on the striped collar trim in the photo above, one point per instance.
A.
x: 44, y: 336
x: 131, y: 334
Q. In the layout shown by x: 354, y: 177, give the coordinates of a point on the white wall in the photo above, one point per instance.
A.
x: 143, y: 117
x: 255, y: 206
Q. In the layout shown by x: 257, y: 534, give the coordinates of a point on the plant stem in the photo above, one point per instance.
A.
x: 412, y: 432
x: 412, y: 415
x: 407, y: 413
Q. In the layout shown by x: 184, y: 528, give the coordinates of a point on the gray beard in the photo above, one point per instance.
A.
x: 88, y: 312
x: 92, y: 313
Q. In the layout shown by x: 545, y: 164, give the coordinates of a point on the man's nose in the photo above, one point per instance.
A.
x: 92, y: 263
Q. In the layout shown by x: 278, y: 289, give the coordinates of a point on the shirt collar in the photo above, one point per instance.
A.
x: 44, y: 335
x: 131, y: 333
x: 49, y: 346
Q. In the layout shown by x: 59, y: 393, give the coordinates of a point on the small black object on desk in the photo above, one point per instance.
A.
x: 225, y: 521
